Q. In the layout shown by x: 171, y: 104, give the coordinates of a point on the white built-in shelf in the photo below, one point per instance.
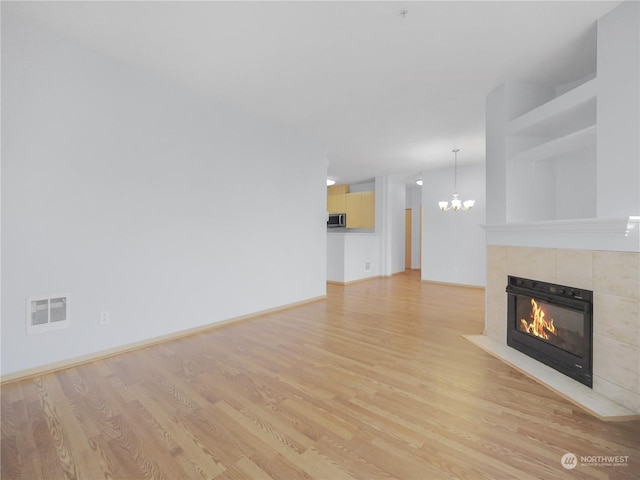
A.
x: 558, y: 146
x: 554, y: 142
x: 572, y: 103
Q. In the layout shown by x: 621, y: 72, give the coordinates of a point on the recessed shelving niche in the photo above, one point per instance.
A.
x: 551, y: 158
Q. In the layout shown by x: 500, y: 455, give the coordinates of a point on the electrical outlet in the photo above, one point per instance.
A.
x: 105, y: 318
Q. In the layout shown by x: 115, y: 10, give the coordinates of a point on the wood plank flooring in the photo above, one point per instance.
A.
x: 375, y: 382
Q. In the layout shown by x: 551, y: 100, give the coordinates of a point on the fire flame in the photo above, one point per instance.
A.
x: 538, y: 326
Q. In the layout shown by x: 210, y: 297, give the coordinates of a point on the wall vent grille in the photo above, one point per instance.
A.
x: 46, y: 313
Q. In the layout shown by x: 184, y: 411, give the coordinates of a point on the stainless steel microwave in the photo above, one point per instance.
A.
x: 337, y: 220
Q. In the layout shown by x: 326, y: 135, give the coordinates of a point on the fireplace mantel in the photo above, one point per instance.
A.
x: 614, y: 234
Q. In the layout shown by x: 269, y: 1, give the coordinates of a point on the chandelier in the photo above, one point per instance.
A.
x: 456, y: 203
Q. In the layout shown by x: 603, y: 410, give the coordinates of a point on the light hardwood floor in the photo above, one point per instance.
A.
x: 375, y: 382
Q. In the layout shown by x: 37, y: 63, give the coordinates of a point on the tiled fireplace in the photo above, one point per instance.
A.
x: 614, y: 278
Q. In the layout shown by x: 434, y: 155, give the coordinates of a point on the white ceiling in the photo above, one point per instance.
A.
x: 387, y: 93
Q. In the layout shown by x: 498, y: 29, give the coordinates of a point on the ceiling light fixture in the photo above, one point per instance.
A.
x: 419, y: 181
x: 456, y: 203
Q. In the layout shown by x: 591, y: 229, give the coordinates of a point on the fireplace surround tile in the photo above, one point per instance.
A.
x: 617, y: 362
x: 575, y: 268
x: 618, y: 317
x: 496, y: 305
x: 496, y: 266
x: 617, y: 273
x: 496, y: 308
x: 533, y: 263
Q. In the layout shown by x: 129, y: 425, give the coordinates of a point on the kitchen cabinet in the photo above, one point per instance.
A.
x: 360, y: 209
x: 368, y: 209
x: 337, y: 203
x: 337, y: 189
x: 354, y: 210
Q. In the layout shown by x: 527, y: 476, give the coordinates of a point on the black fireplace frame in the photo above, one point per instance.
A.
x: 579, y: 368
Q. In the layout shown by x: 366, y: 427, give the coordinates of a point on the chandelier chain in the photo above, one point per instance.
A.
x: 455, y: 170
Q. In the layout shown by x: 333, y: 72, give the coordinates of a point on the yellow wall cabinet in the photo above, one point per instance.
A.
x: 361, y: 210
x: 368, y: 209
x: 337, y: 203
x: 360, y: 207
x: 337, y: 189
x: 354, y: 210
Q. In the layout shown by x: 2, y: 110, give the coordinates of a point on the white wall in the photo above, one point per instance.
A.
x: 360, y: 250
x: 453, y: 243
x: 576, y: 181
x: 398, y: 201
x: 335, y: 257
x: 352, y: 256
x: 362, y: 187
x: 618, y: 141
x: 143, y: 200
x: 390, y: 206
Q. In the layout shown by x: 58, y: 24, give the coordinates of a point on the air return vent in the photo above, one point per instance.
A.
x: 46, y: 313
